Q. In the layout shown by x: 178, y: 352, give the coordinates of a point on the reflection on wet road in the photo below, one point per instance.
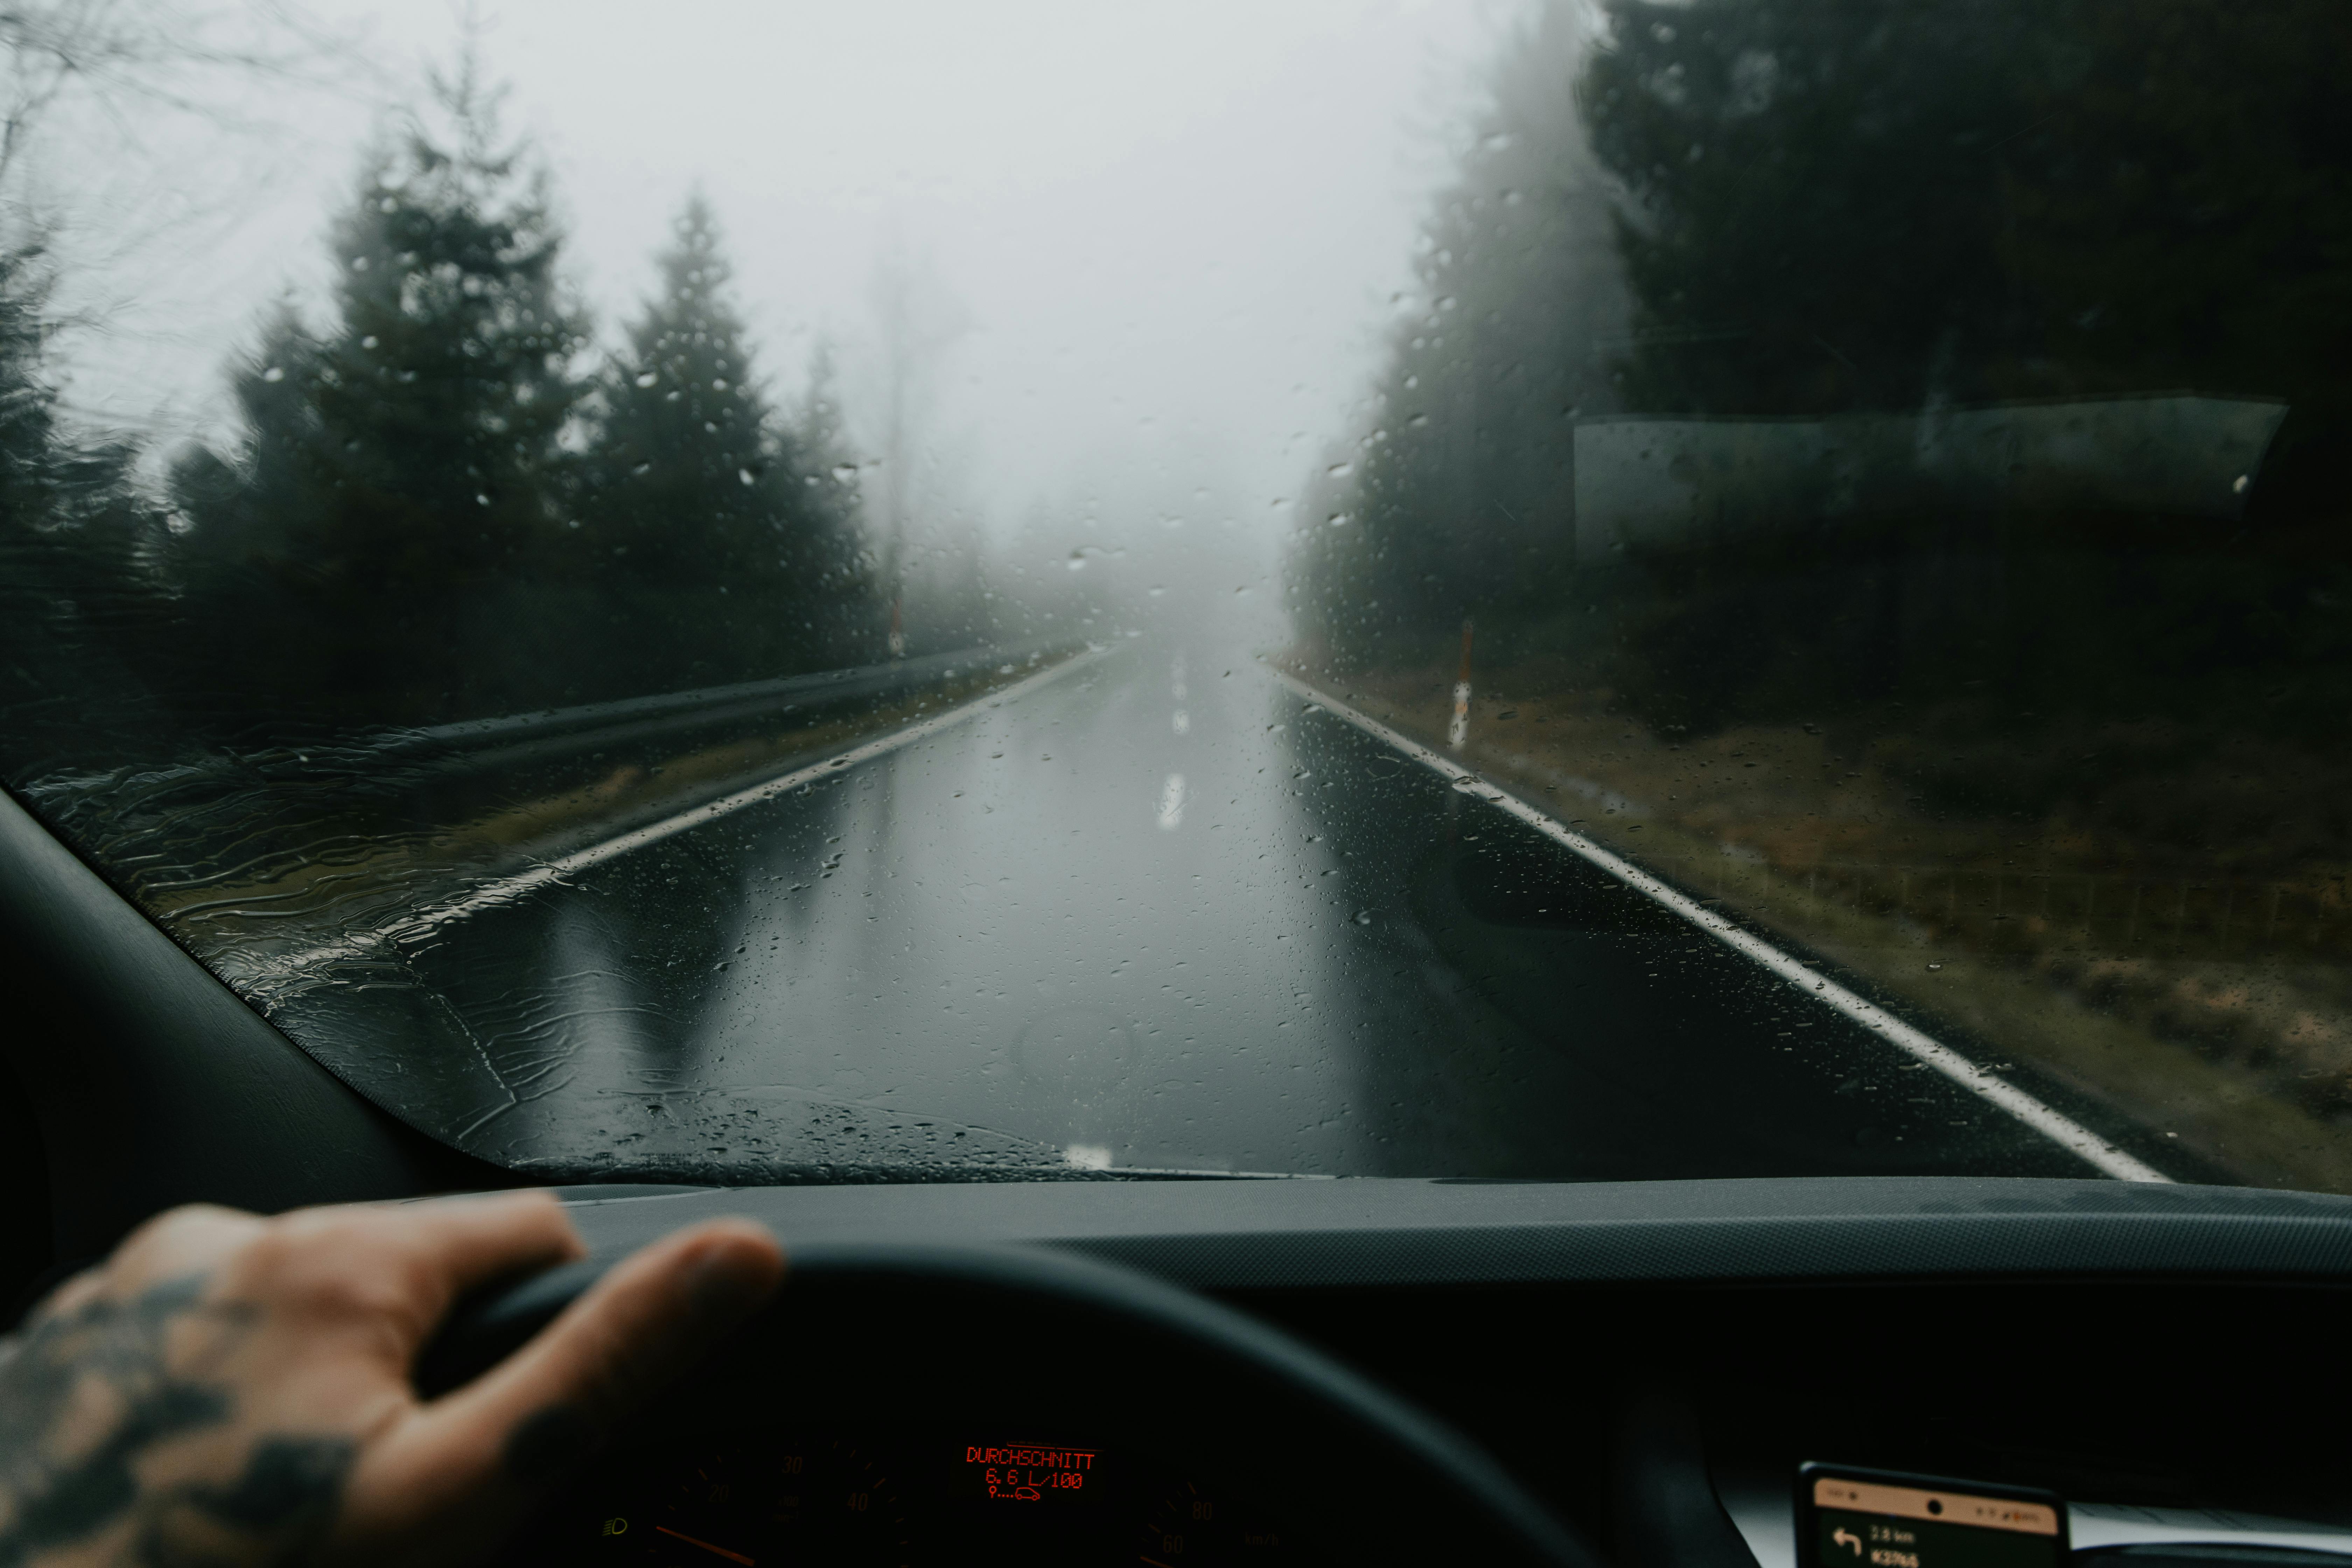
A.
x: 1161, y: 914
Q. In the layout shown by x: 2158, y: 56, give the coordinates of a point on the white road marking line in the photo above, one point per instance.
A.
x: 2063, y: 1131
x: 505, y: 890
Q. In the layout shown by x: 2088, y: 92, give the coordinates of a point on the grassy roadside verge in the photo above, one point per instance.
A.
x: 2217, y: 1012
x: 349, y: 875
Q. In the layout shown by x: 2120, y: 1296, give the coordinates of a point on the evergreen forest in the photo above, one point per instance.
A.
x: 1788, y: 210
x: 443, y: 500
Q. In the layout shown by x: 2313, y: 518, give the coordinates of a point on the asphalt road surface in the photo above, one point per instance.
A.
x: 1159, y: 913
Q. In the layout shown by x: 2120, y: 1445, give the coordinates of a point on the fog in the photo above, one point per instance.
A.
x: 1150, y: 253
x: 1885, y: 464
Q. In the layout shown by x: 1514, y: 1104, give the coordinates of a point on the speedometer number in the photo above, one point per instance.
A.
x: 1191, y: 1525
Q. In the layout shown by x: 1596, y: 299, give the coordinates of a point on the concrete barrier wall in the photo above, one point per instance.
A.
x: 1690, y: 481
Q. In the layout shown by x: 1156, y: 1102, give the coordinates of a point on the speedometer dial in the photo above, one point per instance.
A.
x: 853, y: 1509
x: 1190, y: 1526
x: 701, y: 1512
x: 752, y: 1505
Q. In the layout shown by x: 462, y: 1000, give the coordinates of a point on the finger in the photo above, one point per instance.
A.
x: 645, y: 1321
x: 388, y: 1273
x: 472, y: 1241
x: 471, y: 1461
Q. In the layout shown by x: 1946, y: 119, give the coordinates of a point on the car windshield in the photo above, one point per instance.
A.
x: 1539, y: 590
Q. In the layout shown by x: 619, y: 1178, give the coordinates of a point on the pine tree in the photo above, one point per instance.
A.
x: 725, y: 525
x: 83, y: 613
x: 845, y: 612
x: 27, y: 403
x: 403, y: 478
x: 53, y: 484
x: 1459, y: 496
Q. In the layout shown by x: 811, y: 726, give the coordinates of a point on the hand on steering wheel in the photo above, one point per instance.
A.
x: 237, y: 1391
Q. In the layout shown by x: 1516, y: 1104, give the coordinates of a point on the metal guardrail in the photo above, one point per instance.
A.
x: 236, y: 794
x: 485, y: 742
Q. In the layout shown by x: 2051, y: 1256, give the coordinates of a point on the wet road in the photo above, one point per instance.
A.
x: 1158, y: 913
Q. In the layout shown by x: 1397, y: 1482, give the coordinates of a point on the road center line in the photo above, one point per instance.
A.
x: 2063, y: 1131
x: 505, y: 890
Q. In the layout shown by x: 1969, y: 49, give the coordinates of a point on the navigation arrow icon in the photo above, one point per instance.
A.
x: 1847, y: 1538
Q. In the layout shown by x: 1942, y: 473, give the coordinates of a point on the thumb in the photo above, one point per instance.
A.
x: 477, y: 1458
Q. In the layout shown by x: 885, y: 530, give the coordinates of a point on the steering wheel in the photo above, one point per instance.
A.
x: 860, y: 1332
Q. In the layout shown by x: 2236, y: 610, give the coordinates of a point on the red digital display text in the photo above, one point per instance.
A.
x: 1026, y: 1472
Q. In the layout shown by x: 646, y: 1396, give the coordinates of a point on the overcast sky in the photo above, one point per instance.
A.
x: 1173, y: 233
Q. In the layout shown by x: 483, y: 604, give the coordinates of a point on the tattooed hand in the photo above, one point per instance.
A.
x: 227, y: 1391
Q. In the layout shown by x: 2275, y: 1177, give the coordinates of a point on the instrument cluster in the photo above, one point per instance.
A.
x: 905, y: 1499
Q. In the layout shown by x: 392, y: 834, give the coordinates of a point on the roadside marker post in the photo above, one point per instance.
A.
x: 1457, y: 734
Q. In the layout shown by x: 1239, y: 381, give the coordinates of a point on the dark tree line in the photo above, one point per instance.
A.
x: 1972, y: 201
x: 80, y: 547
x: 1460, y: 494
x: 1743, y: 208
x: 440, y: 503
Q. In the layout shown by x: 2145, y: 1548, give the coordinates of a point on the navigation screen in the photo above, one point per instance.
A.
x: 1859, y: 1521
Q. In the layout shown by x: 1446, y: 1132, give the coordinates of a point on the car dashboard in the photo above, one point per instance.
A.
x: 1649, y: 1363
x: 922, y: 1492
